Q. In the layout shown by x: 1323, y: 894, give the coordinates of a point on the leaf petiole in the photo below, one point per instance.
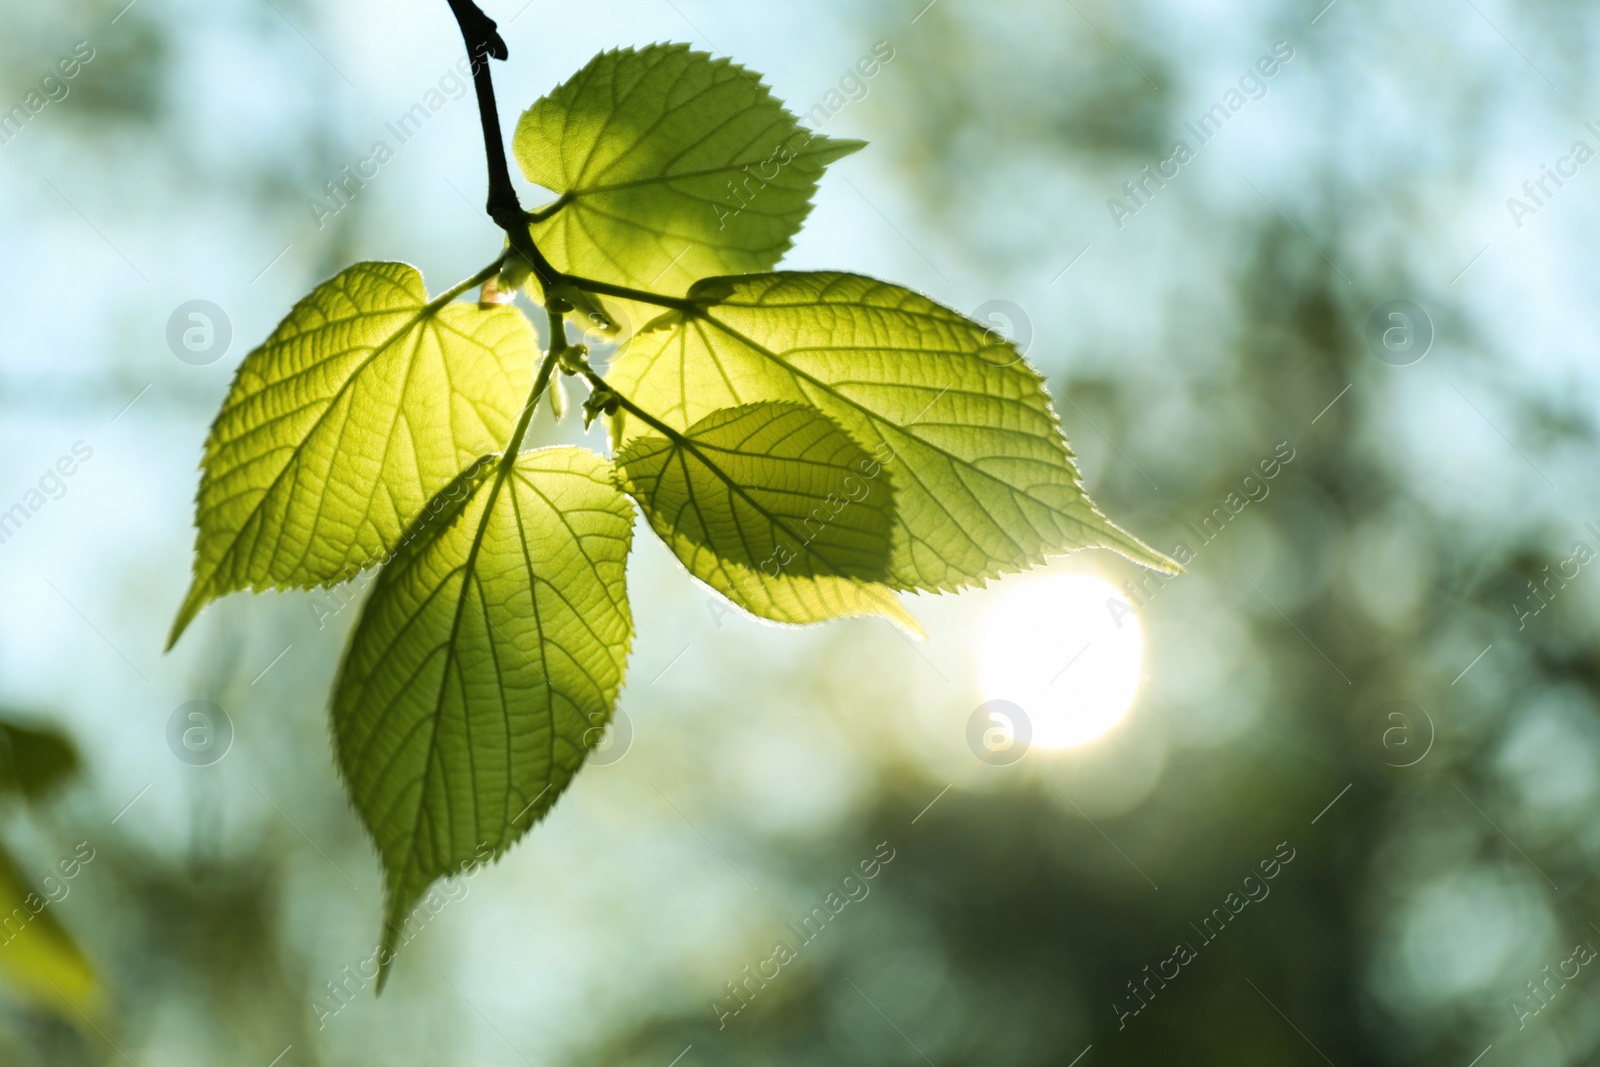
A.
x: 469, y: 283
x: 540, y: 384
x: 622, y: 292
x: 598, y: 384
x: 550, y: 209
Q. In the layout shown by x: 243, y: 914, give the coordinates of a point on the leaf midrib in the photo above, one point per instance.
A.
x: 468, y: 577
x: 424, y: 311
x: 611, y: 187
x: 688, y: 444
x: 877, y: 420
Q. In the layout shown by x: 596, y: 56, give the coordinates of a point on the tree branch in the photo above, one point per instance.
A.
x: 484, y: 43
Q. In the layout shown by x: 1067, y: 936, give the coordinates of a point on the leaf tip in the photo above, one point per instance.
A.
x: 394, y: 910
x: 907, y: 624
x: 193, y: 601
x: 843, y: 146
x: 1131, y: 548
x: 385, y: 965
x: 890, y: 608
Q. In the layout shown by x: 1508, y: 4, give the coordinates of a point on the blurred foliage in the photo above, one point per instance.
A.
x: 1410, y: 923
x: 1391, y: 552
x: 122, y: 82
x: 33, y: 762
x: 37, y: 955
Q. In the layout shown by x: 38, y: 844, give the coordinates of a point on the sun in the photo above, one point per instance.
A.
x: 1054, y: 647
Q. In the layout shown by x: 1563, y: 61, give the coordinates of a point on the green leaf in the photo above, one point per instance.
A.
x: 774, y: 506
x: 984, y: 481
x: 365, y: 402
x: 670, y: 166
x: 484, y: 667
x: 37, y: 955
x: 33, y: 763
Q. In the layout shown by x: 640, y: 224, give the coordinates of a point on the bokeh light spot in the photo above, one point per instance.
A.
x: 1068, y: 650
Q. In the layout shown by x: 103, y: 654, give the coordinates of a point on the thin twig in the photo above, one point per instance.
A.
x: 484, y: 43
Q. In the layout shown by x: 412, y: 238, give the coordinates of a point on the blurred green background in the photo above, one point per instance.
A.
x: 1358, y: 671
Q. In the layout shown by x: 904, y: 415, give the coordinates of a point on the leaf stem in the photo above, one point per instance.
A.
x: 622, y: 292
x: 550, y: 209
x: 462, y: 286
x: 540, y: 384
x: 484, y: 43
x: 694, y: 448
x: 598, y: 383
x: 558, y: 331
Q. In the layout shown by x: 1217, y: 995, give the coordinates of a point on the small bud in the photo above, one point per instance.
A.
x: 558, y: 398
x: 514, y: 274
x: 593, y: 317
x: 572, y: 358
x: 601, y: 401
x: 492, y: 296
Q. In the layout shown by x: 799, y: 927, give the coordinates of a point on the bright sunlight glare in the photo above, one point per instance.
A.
x: 1052, y: 647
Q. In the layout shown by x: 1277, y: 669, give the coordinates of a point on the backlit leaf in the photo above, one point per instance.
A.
x: 670, y: 166
x: 774, y: 506
x: 37, y: 956
x: 484, y: 667
x: 984, y: 481
x: 363, y: 403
